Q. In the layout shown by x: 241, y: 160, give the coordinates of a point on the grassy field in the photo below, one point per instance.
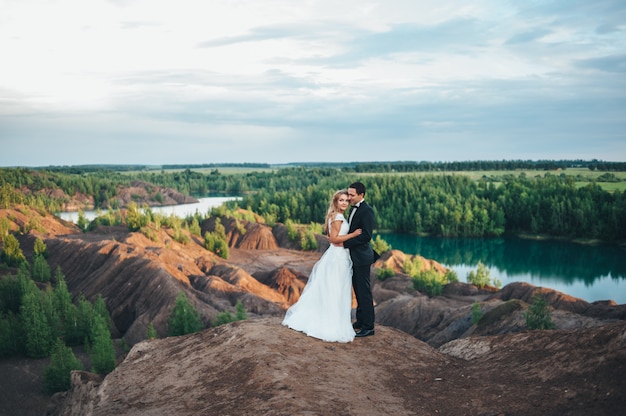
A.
x: 582, y: 176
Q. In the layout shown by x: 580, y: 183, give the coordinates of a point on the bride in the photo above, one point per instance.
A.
x: 323, y: 310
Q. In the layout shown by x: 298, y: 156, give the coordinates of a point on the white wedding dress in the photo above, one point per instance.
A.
x: 323, y: 310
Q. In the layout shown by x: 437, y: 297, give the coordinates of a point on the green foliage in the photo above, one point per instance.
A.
x: 292, y: 231
x: 215, y: 241
x: 101, y: 350
x: 40, y: 248
x: 538, y: 315
x: 11, y: 292
x: 41, y: 269
x: 181, y: 237
x: 57, y: 376
x: 413, y: 197
x: 100, y: 309
x: 481, y: 277
x: 184, y: 319
x: 240, y: 312
x: 82, y: 221
x: 33, y: 223
x: 5, y: 227
x: 151, y: 332
x: 428, y: 281
x: 11, y: 334
x: 477, y: 313
x: 226, y: 317
x: 78, y: 326
x: 308, y: 241
x: 412, y: 266
x: 149, y: 232
x: 107, y: 219
x: 38, y: 331
x: 31, y: 320
x: 194, y: 226
x: 11, y: 251
x: 123, y: 345
x: 135, y: 219
x: 450, y: 276
x: 384, y: 273
x: 379, y: 245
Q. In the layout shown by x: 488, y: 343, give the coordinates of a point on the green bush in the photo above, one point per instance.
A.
x: 477, y: 313
x: 379, y: 245
x: 12, y: 253
x: 215, y: 243
x: 40, y: 247
x: 308, y: 241
x: 384, y: 273
x: 151, y: 332
x: 481, y: 277
x: 427, y: 281
x: 538, y: 315
x: 227, y: 317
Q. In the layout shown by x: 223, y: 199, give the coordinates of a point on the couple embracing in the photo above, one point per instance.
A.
x: 324, y: 308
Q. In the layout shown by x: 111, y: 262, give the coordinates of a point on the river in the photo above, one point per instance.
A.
x: 203, y: 206
x: 588, y: 272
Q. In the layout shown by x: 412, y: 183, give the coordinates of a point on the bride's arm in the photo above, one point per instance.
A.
x: 337, y: 239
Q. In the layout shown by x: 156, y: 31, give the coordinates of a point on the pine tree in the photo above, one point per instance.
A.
x: 40, y: 247
x: 78, y: 326
x: 64, y: 307
x: 41, y: 269
x: 184, y: 319
x: 102, y: 351
x: 62, y: 363
x: 240, y: 312
x: 39, y: 336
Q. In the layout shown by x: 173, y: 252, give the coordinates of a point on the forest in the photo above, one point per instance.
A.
x: 443, y: 202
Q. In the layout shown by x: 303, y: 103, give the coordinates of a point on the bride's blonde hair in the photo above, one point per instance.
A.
x: 333, y: 208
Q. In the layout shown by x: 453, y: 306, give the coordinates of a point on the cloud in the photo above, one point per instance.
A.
x: 276, y: 81
x: 612, y: 63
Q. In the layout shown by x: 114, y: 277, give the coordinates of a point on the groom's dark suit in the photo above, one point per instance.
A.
x: 362, y: 257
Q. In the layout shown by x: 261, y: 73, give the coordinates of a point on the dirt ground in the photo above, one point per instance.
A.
x: 260, y: 367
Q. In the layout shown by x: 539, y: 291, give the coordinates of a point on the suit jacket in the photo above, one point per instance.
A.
x: 361, y: 252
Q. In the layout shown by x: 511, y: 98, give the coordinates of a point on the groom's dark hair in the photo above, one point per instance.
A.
x: 358, y: 187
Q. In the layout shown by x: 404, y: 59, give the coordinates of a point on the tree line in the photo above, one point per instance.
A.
x: 435, y: 204
x: 456, y: 206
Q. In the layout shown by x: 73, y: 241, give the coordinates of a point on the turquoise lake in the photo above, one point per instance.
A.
x: 589, y: 272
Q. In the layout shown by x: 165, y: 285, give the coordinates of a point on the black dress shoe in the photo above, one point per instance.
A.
x: 364, y: 333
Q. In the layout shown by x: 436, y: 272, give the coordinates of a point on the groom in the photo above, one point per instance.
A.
x: 361, y: 216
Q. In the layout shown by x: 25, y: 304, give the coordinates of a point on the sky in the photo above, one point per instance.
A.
x: 280, y: 81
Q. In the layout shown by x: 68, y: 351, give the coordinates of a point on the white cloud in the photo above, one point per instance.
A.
x: 300, y: 75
